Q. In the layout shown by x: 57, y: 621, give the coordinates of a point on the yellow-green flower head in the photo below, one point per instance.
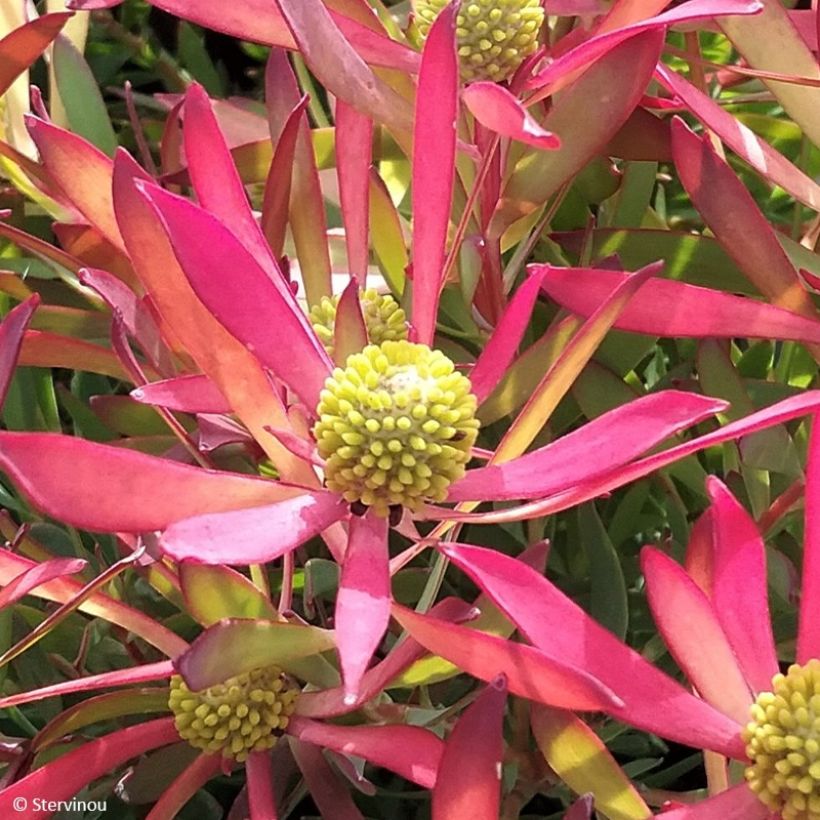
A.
x: 245, y: 714
x: 783, y: 744
x: 395, y: 426
x: 494, y: 36
x: 383, y: 318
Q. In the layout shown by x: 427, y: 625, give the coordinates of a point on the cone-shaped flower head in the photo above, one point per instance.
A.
x: 783, y: 743
x: 494, y: 36
x: 395, y: 426
x: 383, y: 318
x: 245, y: 714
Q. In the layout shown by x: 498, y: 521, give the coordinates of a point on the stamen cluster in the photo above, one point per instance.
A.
x: 395, y: 426
x: 245, y: 714
x: 494, y: 36
x: 783, y: 744
x: 383, y: 318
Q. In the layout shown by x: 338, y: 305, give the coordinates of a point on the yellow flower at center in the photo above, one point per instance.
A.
x: 783, y: 744
x: 494, y: 36
x: 395, y: 426
x: 245, y: 714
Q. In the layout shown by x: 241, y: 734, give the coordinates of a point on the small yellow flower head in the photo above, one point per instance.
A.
x: 243, y: 715
x: 494, y: 36
x: 396, y: 426
x: 383, y: 318
x: 783, y: 743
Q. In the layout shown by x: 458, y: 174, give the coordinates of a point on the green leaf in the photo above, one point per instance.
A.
x: 608, y: 602
x: 81, y: 97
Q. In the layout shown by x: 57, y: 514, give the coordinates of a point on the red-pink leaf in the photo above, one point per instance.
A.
x: 692, y: 631
x: 499, y: 111
x: 332, y: 798
x: 535, y: 606
x: 276, y: 199
x: 63, y: 778
x: 502, y: 346
x: 363, y: 602
x: 737, y: 803
x: 331, y: 702
x: 261, y: 22
x: 581, y: 809
x: 185, y: 785
x: 111, y: 489
x: 121, y: 677
x: 12, y: 329
x: 354, y: 136
x: 187, y: 394
x: 252, y: 536
x: 779, y: 413
x: 245, y: 301
x: 600, y: 446
x: 339, y: 67
x: 218, y: 187
x: 808, y: 635
x: 595, y: 47
x: 770, y: 164
x: 730, y: 211
x: 434, y: 152
x: 82, y: 172
x: 22, y: 46
x: 664, y: 307
x: 349, y: 330
x: 469, y: 782
x: 409, y: 751
x: 42, y: 573
x: 740, y: 588
x: 261, y: 799
x: 530, y: 673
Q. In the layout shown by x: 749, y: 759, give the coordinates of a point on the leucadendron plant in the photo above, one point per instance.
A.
x: 296, y: 407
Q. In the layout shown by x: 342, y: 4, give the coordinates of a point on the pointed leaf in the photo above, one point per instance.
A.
x: 585, y: 117
x: 692, y: 631
x: 535, y: 606
x: 732, y: 214
x: 216, y: 592
x: 349, y: 329
x: 354, y: 139
x: 305, y: 206
x: 664, y: 307
x: 247, y: 302
x: 219, y: 189
x: 614, y: 438
x: 234, y: 646
x: 12, y: 329
x: 339, y: 67
x: 185, y: 786
x: 188, y: 394
x: 39, y: 574
x: 255, y: 535
x: 235, y: 371
x: 110, y: 489
x: 434, y: 152
x: 469, y: 781
x: 737, y: 803
x: 740, y: 586
x: 502, y: 346
x: 160, y: 670
x: 409, y: 751
x: 82, y: 172
x: 363, y: 602
x: 63, y: 778
x: 583, y: 762
x: 808, y: 635
x: 770, y: 164
x: 22, y: 46
x: 499, y: 111
x: 530, y: 674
